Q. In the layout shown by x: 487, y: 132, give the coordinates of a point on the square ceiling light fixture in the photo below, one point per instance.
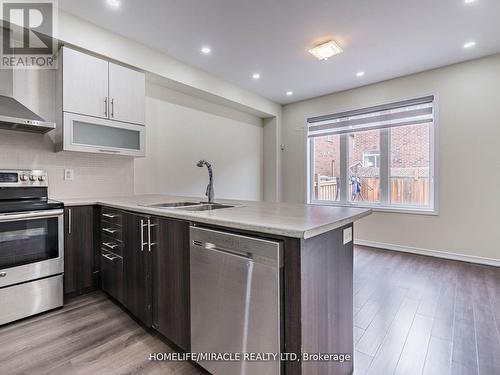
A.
x: 326, y: 50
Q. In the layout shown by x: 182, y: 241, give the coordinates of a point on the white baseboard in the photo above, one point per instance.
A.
x: 432, y: 253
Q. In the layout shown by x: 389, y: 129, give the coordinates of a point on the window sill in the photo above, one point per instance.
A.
x: 375, y: 208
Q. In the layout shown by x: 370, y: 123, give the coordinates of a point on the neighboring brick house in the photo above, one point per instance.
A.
x: 409, y: 153
x: 327, y: 156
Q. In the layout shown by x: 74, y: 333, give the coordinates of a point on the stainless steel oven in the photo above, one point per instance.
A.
x: 31, y: 246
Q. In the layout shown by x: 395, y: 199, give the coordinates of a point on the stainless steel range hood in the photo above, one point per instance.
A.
x: 15, y: 116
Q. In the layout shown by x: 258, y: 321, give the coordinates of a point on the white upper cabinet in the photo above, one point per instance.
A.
x: 85, y: 84
x: 127, y: 91
x: 102, y: 106
x: 98, y: 88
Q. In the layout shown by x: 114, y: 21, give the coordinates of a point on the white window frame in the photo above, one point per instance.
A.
x: 375, y: 154
x: 384, y: 205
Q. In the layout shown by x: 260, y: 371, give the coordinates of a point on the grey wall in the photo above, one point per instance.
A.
x: 94, y: 175
x: 181, y: 129
x: 468, y: 122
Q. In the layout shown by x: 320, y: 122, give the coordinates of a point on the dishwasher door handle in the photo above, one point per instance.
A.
x: 213, y: 247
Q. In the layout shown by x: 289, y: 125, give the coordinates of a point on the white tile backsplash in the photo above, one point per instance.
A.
x: 95, y: 175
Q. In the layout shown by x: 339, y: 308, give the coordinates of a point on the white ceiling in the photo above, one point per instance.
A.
x: 383, y: 38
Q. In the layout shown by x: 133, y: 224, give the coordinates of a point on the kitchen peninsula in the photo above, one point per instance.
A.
x: 315, y: 284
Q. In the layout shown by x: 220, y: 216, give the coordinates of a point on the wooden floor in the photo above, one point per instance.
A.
x: 90, y: 335
x: 423, y: 315
x: 414, y: 315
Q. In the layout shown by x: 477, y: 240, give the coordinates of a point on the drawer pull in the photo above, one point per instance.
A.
x: 110, y: 245
x: 109, y: 230
x: 110, y: 216
x: 109, y: 257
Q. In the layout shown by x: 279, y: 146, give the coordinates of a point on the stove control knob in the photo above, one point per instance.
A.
x: 23, y: 177
x: 32, y: 178
x: 41, y: 178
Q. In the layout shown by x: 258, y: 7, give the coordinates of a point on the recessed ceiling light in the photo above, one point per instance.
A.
x: 256, y: 76
x: 289, y: 93
x: 360, y: 74
x: 114, y: 3
x: 470, y: 44
x: 469, y: 1
x: 206, y: 50
x: 326, y: 50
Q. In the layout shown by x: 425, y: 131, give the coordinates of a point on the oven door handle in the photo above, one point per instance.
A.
x: 43, y: 214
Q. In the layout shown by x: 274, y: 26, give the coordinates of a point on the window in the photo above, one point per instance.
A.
x: 410, y: 165
x: 371, y: 159
x: 326, y: 172
x: 379, y: 157
x: 363, y: 179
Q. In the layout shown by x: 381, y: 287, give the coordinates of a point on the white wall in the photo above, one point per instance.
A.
x: 272, y: 159
x: 468, y: 166
x: 95, y: 175
x: 88, y: 36
x: 182, y: 129
x: 239, y: 170
x: 196, y: 82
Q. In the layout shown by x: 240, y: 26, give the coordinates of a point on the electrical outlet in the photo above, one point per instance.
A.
x: 69, y: 174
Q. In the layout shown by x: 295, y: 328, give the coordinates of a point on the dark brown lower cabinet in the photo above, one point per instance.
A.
x: 145, y: 266
x: 112, y: 281
x: 171, y: 282
x: 110, y: 252
x: 138, y: 231
x: 79, y: 247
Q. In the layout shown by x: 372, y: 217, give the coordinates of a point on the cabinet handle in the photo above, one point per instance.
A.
x: 113, y: 107
x: 69, y: 220
x: 149, y: 235
x: 110, y: 245
x: 3, y: 274
x: 106, y: 106
x: 110, y: 151
x: 112, y: 231
x: 142, y: 235
x: 110, y: 216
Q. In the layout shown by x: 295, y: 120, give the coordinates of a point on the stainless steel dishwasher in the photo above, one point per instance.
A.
x: 235, y: 300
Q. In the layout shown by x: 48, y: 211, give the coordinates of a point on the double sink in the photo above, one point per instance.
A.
x: 190, y: 206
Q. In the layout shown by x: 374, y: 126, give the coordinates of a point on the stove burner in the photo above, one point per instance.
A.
x: 24, y: 191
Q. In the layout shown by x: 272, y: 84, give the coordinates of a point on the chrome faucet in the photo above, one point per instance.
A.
x: 210, y: 187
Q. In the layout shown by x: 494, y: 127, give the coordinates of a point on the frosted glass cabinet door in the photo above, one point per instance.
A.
x: 87, y: 134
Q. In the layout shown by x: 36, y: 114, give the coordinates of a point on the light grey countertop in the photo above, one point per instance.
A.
x: 285, y: 219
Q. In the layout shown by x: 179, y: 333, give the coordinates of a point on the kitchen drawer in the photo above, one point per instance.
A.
x: 112, y: 245
x: 112, y: 216
x: 112, y: 275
